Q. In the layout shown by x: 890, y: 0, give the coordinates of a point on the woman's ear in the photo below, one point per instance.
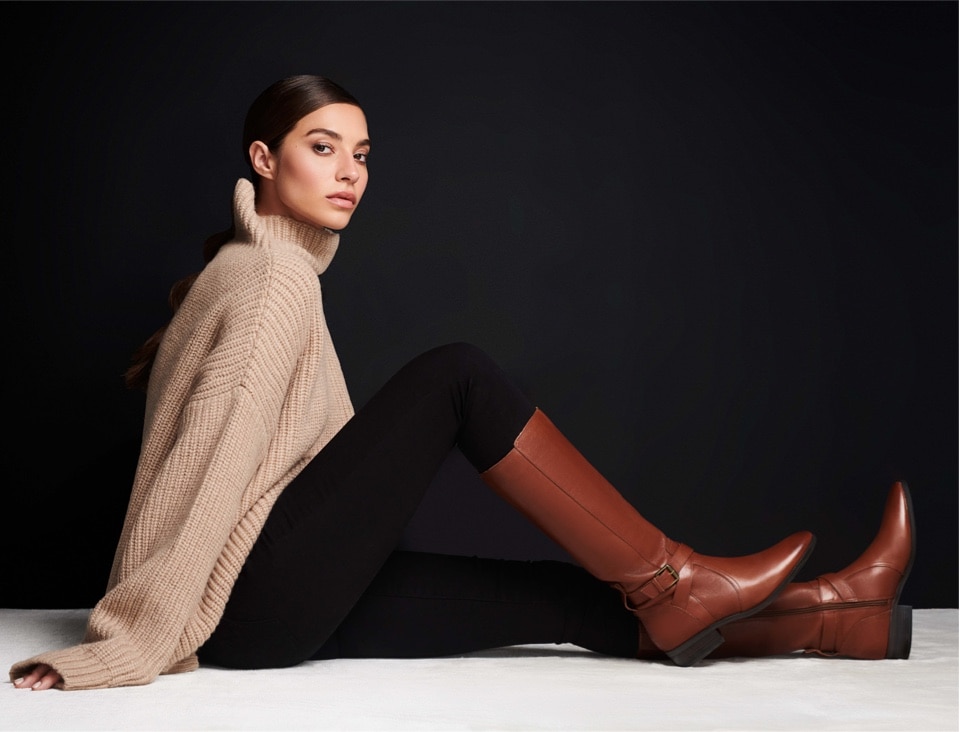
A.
x: 262, y: 160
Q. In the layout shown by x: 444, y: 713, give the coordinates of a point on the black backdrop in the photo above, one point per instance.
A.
x: 716, y: 242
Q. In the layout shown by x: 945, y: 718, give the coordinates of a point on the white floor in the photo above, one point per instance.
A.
x: 519, y: 688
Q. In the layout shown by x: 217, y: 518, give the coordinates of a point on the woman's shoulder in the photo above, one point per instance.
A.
x: 240, y: 265
x: 244, y: 281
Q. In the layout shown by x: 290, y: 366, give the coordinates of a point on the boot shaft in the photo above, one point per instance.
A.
x: 681, y: 597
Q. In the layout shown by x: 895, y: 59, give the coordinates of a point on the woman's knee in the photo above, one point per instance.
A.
x: 460, y: 365
x: 460, y: 358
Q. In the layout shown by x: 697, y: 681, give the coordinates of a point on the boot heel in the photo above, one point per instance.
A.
x: 901, y: 632
x: 696, y: 649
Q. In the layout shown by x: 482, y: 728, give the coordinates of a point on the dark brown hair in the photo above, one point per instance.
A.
x: 269, y: 119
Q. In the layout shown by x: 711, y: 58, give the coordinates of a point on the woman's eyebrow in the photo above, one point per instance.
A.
x: 336, y: 136
x: 324, y: 131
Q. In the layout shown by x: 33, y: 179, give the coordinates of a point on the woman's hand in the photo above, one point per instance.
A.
x: 40, y: 678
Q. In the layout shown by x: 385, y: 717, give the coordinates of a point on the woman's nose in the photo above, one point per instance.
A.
x: 350, y: 171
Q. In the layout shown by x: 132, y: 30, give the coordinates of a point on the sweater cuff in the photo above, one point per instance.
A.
x: 96, y: 665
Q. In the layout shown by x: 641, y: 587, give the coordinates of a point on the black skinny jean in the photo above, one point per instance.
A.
x: 324, y: 579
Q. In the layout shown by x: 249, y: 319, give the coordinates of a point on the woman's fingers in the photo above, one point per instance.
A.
x: 40, y: 678
x: 49, y: 680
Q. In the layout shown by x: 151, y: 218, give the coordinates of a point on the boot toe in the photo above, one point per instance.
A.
x: 714, y: 591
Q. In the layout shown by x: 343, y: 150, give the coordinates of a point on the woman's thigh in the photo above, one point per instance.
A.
x: 334, y: 526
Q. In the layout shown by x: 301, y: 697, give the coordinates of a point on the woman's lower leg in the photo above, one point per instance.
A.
x: 682, y: 597
x: 424, y: 605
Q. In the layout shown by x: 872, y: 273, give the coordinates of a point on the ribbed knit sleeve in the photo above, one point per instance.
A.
x: 245, y: 390
x: 133, y: 630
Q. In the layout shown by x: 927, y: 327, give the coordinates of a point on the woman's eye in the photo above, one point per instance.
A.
x: 361, y: 157
x: 321, y: 147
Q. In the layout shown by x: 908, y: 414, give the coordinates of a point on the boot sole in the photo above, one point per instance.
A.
x: 701, y: 645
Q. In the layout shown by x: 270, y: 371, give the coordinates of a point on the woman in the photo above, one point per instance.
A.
x: 264, y: 515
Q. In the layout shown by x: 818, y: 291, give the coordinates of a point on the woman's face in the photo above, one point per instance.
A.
x: 319, y: 174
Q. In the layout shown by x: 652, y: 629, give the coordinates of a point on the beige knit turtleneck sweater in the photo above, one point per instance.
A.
x: 245, y: 390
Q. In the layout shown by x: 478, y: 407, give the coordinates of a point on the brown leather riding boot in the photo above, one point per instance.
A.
x: 681, y: 597
x: 852, y: 613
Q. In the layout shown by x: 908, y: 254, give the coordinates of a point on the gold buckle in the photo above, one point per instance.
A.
x: 642, y: 589
x: 673, y: 573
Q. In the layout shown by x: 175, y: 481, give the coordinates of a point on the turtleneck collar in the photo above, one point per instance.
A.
x: 319, y: 244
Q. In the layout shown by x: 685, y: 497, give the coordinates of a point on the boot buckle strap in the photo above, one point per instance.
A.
x: 658, y: 584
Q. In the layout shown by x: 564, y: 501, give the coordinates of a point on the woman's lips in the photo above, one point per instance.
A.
x: 344, y: 200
